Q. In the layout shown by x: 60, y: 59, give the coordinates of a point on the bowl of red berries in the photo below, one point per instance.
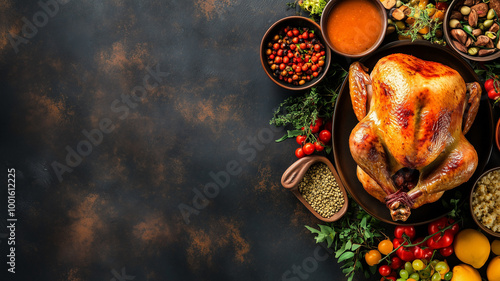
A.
x: 293, y: 53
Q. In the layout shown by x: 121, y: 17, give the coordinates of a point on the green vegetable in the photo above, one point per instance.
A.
x: 352, y: 237
x: 314, y: 7
x: 300, y: 111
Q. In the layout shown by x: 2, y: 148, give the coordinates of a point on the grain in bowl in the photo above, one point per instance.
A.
x: 485, y: 201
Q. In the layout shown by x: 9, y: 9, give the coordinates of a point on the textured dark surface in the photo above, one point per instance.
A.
x: 116, y: 215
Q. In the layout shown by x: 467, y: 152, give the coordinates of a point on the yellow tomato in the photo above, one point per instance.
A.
x: 472, y: 247
x: 495, y: 247
x: 385, y: 246
x: 464, y: 272
x: 493, y: 270
x: 372, y: 257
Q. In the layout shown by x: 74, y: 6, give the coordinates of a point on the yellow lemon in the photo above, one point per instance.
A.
x: 493, y: 270
x: 495, y: 247
x: 464, y: 272
x: 472, y: 247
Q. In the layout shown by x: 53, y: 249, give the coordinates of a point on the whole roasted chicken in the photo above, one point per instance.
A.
x: 409, y: 143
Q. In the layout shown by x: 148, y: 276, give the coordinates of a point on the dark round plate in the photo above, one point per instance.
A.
x: 344, y: 120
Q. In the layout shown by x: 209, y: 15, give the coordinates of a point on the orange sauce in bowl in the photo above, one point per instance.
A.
x: 354, y: 26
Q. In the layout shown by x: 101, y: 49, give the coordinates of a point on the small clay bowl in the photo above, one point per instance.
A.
x: 476, y: 220
x: 294, y: 174
x: 293, y: 21
x: 324, y: 28
x: 456, y: 4
x: 497, y: 134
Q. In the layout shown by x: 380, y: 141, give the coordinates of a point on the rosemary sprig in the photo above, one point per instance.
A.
x: 297, y: 113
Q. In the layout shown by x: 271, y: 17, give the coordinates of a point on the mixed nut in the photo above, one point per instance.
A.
x: 474, y: 27
x: 321, y: 191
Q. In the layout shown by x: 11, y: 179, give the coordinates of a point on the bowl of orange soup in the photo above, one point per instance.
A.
x: 354, y: 28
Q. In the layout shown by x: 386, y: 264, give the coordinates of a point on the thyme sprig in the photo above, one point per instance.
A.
x: 298, y: 112
x: 422, y: 20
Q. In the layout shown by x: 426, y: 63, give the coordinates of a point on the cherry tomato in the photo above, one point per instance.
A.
x: 372, y: 257
x: 409, y: 230
x: 316, y: 127
x: 427, y: 253
x: 405, y: 254
x: 437, y: 225
x: 488, y: 85
x: 492, y: 94
x: 300, y: 139
x: 308, y: 148
x: 305, y: 35
x: 385, y: 278
x: 328, y: 126
x: 384, y: 270
x: 446, y: 251
x: 441, y: 241
x: 418, y: 252
x: 289, y: 33
x: 299, y: 152
x: 319, y: 146
x: 385, y: 246
x: 296, y: 32
x: 302, y: 46
x: 396, y: 242
x: 325, y: 136
x: 396, y: 262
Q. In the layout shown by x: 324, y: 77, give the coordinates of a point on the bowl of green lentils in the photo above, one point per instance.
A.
x: 315, y: 182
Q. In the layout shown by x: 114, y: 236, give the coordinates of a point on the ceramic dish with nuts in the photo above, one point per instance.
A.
x: 485, y: 202
x: 472, y: 29
x: 315, y: 182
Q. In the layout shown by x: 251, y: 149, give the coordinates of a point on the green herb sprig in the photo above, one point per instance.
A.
x: 352, y: 237
x: 422, y: 20
x: 297, y: 113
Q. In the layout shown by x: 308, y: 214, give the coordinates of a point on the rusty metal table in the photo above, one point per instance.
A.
x: 138, y: 135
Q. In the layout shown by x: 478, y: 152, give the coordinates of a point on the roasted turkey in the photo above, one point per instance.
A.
x: 409, y: 143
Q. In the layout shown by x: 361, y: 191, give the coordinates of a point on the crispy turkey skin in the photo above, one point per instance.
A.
x: 409, y: 143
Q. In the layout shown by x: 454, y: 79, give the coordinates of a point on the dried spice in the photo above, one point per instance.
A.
x: 320, y: 189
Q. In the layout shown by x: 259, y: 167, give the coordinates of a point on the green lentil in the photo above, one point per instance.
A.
x: 321, y: 191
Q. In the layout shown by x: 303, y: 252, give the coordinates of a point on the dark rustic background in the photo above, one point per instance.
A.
x: 67, y: 72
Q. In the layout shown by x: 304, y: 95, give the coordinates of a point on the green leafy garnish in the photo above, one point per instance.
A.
x: 300, y: 111
x: 313, y: 7
x: 422, y: 21
x: 352, y: 237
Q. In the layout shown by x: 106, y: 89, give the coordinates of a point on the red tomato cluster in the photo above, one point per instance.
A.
x: 295, y: 55
x: 418, y: 249
x: 492, y: 87
x: 321, y: 135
